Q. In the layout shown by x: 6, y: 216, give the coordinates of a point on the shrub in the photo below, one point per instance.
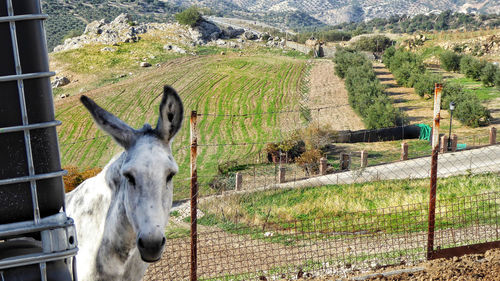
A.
x: 471, y: 67
x: 344, y: 59
x: 190, y: 16
x: 388, y: 54
x: 404, y: 65
x: 468, y: 108
x: 488, y: 75
x: 292, y: 148
x: 366, y: 93
x: 309, y: 161
x: 425, y: 83
x: 497, y: 79
x: 75, y: 177
x: 376, y: 43
x: 450, y: 61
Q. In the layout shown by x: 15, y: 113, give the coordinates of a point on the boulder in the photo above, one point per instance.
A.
x: 205, y: 31
x: 108, y: 49
x: 178, y: 50
x: 249, y: 35
x: 59, y: 82
x: 145, y: 64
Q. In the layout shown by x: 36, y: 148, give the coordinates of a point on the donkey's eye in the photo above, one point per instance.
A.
x: 170, y: 176
x: 130, y: 178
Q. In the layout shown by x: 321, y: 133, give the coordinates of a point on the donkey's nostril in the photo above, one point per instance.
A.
x: 163, y: 241
x: 140, y: 243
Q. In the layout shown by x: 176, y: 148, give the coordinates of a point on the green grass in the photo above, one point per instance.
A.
x: 477, y: 88
x: 341, y: 210
x: 218, y: 85
x: 176, y: 231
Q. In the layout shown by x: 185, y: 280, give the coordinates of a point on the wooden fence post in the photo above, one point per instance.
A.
x: 443, y: 146
x: 404, y: 151
x: 364, y: 158
x: 239, y: 181
x: 493, y: 135
x: 281, y: 174
x: 345, y: 161
x: 454, y: 142
x: 323, y: 165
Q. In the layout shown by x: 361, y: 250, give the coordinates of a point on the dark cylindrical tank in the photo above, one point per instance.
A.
x: 15, y: 199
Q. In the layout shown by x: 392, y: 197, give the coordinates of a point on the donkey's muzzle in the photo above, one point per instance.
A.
x: 151, y: 248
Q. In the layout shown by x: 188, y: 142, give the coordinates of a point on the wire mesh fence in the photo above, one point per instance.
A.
x: 268, y: 209
x: 350, y: 242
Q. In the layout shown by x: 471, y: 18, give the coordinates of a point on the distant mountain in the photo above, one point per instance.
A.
x: 338, y: 11
x: 69, y: 17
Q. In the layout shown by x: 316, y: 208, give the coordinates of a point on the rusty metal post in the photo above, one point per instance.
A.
x: 239, y: 181
x: 194, y: 196
x: 493, y: 135
x: 443, y: 146
x: 323, y: 165
x: 281, y: 174
x: 454, y: 142
x: 434, y: 166
x: 404, y: 151
x: 364, y: 159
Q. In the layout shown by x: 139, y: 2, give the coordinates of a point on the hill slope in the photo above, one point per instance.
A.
x: 226, y: 90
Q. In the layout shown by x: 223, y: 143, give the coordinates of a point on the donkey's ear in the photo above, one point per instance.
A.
x: 171, y: 114
x: 123, y: 134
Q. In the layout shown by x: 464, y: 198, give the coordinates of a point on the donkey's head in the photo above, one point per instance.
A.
x: 145, y: 178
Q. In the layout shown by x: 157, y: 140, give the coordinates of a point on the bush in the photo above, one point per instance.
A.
x: 190, y: 16
x: 376, y: 43
x: 388, y: 54
x: 344, y: 59
x: 450, y: 61
x: 425, y: 83
x: 471, y: 67
x: 365, y: 92
x: 74, y: 177
x: 488, y: 75
x: 497, y: 79
x: 468, y: 108
x: 404, y: 65
x: 309, y: 161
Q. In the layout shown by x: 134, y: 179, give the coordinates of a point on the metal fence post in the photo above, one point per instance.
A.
x: 493, y: 135
x: 434, y: 166
x: 194, y: 196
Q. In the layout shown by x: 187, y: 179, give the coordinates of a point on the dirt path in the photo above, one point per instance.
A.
x: 327, y: 90
x: 470, y: 267
x: 419, y: 110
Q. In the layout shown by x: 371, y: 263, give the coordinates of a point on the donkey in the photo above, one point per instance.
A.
x: 121, y: 213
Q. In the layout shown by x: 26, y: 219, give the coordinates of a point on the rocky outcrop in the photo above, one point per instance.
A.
x: 476, y: 46
x: 121, y: 30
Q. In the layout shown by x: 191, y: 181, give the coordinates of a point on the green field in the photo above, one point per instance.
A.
x: 350, y: 207
x: 219, y: 85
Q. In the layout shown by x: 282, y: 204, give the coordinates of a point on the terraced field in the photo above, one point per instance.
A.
x: 228, y: 91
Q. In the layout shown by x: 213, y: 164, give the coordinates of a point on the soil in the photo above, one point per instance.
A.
x: 469, y: 267
x: 328, y: 92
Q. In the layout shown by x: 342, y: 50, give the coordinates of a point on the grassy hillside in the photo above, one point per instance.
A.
x: 215, y: 84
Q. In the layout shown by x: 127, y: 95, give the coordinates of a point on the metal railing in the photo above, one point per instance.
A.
x: 56, y: 232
